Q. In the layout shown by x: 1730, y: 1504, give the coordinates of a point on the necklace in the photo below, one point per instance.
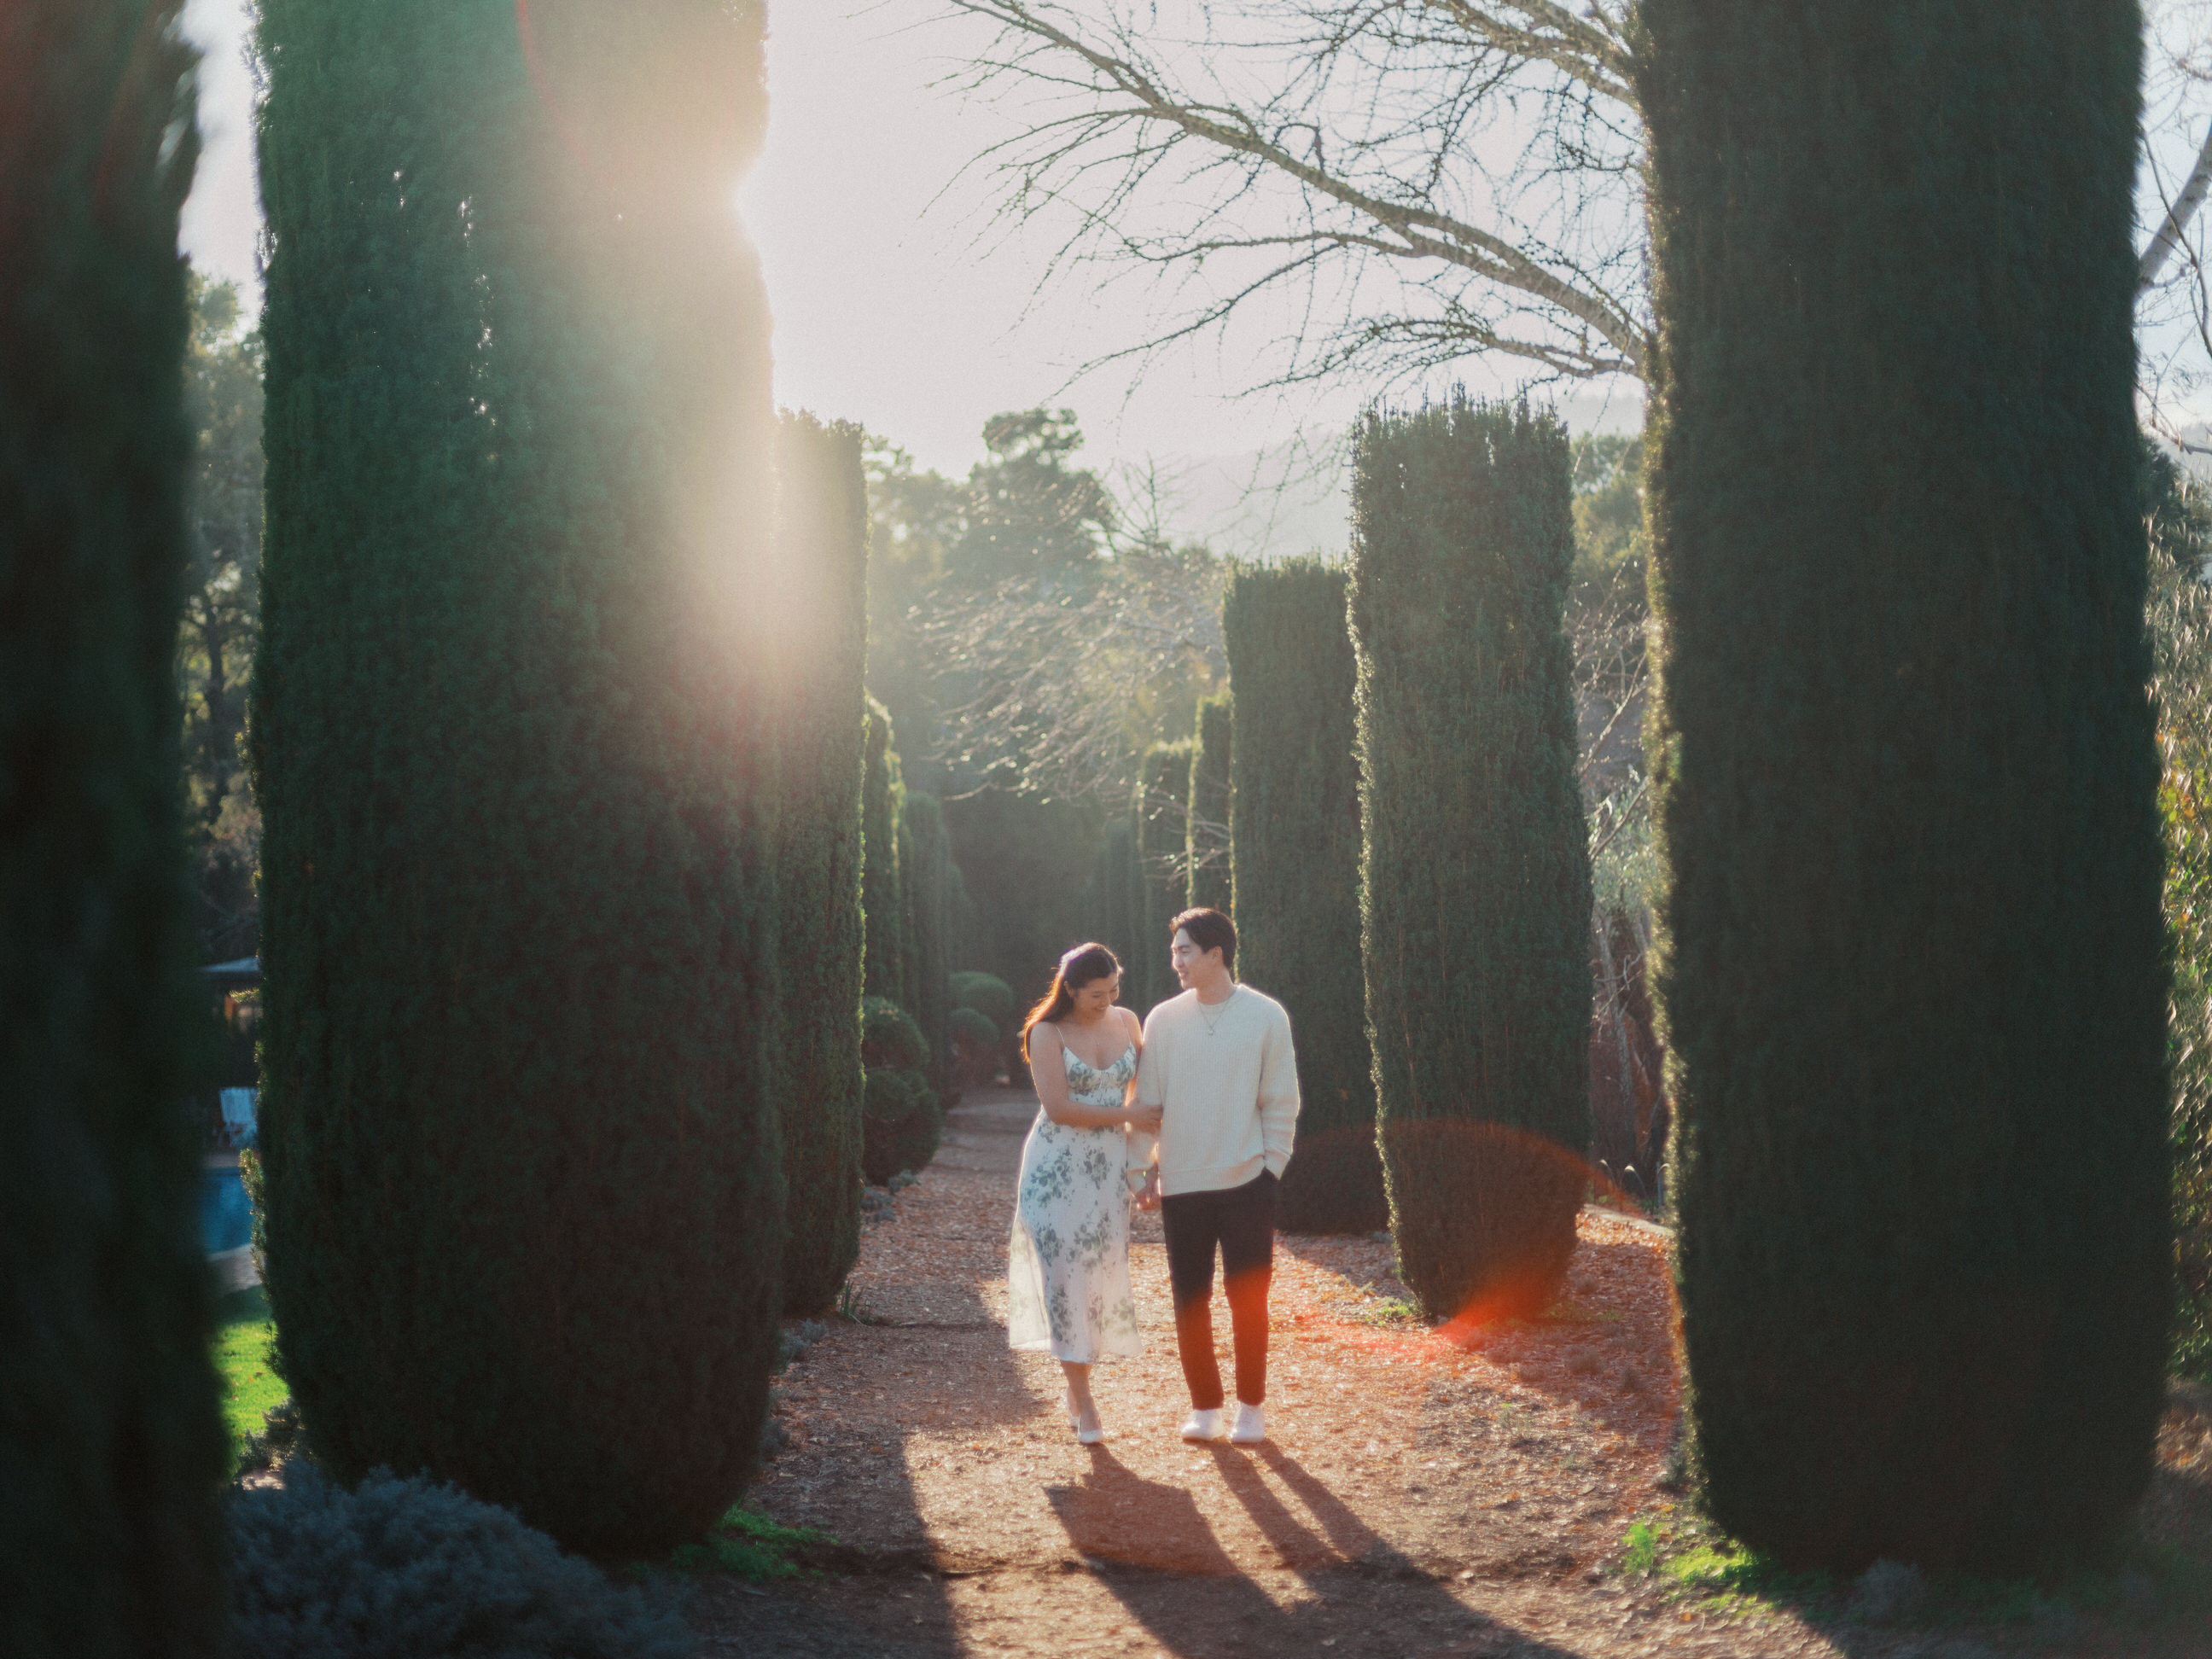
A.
x: 1214, y: 1024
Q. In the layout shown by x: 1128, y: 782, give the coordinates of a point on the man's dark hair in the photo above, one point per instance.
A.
x: 1208, y: 930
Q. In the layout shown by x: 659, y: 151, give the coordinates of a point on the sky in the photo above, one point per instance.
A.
x: 898, y: 303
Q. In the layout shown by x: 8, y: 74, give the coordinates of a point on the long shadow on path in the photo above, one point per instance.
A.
x: 1149, y: 1544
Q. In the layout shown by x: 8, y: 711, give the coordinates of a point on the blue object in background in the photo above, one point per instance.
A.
x: 225, y: 1216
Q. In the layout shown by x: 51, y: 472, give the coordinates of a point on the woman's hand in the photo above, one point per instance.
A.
x: 1146, y: 1120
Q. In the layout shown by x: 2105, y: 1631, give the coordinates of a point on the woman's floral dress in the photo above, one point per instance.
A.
x: 1068, y: 1265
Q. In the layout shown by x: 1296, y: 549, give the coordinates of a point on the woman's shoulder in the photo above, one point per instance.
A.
x: 1131, y: 1025
x: 1045, y: 1031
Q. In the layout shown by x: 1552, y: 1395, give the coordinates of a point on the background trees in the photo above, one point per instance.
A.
x: 222, y: 609
x: 1475, y: 888
x: 1912, y: 970
x: 1207, y: 851
x: 114, y: 1445
x: 523, y: 1184
x: 1295, y: 823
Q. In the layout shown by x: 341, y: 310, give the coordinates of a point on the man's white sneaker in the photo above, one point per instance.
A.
x: 1251, y: 1425
x: 1202, y: 1426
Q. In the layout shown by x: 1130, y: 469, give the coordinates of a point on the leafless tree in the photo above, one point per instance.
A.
x: 1429, y: 179
x: 1057, y: 684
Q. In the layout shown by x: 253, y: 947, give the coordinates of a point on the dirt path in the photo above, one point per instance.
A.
x: 1415, y: 1499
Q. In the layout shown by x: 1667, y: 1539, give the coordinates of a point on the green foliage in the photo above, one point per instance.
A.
x: 114, y: 1441
x: 1114, y: 901
x: 222, y: 608
x: 928, y: 890
x: 974, y: 1030
x: 1206, y: 845
x: 1610, y: 542
x: 1295, y: 823
x: 1027, y: 508
x: 245, y: 1344
x: 414, y: 1569
x: 987, y: 994
x: 1475, y: 924
x: 1162, y: 801
x: 883, y: 891
x: 524, y: 1181
x: 747, y: 1544
x: 1028, y: 858
x: 2180, y: 619
x: 902, y: 1120
x: 1911, y: 952
x: 820, y: 641
x: 890, y: 1037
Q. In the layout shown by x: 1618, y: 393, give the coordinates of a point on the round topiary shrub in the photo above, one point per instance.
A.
x: 891, y: 1037
x: 416, y: 1570
x: 987, y: 994
x: 901, y: 1122
x: 975, y: 1044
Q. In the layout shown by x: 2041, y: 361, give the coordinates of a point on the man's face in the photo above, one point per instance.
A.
x: 1188, y: 961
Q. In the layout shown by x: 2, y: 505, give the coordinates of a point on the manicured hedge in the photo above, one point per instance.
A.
x: 1206, y: 845
x: 524, y: 1180
x: 1296, y: 828
x: 882, y: 889
x: 1476, y: 898
x: 1912, y: 970
x: 820, y: 644
x: 1163, y: 797
x: 929, y: 972
x: 112, y: 1440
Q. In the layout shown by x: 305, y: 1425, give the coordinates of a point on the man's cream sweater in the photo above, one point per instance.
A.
x: 1229, y: 1082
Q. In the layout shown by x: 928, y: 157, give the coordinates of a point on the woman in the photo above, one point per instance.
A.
x: 1068, y: 1269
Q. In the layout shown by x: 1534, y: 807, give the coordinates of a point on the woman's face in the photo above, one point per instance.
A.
x: 1093, y: 999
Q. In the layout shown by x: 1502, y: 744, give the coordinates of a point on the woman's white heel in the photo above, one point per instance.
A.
x: 1083, y: 1436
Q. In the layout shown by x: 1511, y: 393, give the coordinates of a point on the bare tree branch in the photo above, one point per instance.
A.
x: 1481, y: 157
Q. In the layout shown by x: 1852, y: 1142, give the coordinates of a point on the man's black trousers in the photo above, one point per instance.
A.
x: 1240, y: 1222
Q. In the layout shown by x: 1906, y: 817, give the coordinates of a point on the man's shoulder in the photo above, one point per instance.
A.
x: 1270, y: 1009
x: 1173, y: 1012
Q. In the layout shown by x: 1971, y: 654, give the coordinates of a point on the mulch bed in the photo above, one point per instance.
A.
x: 1415, y: 1497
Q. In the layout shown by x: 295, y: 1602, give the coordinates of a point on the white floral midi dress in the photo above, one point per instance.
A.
x: 1068, y: 1264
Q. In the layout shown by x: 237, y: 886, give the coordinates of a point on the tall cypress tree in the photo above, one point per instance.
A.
x: 883, y: 891
x: 1162, y: 795
x: 928, y: 892
x: 821, y: 647
x: 1207, y: 845
x: 112, y: 1449
x: 1911, y: 953
x: 1475, y: 925
x: 1296, y: 832
x: 1112, y: 892
x: 524, y: 1183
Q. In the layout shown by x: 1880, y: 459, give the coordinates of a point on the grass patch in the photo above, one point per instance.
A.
x: 748, y: 1545
x: 1693, y: 1561
x: 245, y: 1337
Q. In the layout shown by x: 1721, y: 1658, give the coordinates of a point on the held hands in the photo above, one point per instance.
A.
x: 1149, y: 1197
x: 1146, y: 1120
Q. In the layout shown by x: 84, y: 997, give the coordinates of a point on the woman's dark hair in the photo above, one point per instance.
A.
x: 1084, y: 965
x: 1209, y: 929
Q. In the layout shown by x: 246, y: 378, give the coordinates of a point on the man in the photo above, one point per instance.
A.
x: 1217, y: 1060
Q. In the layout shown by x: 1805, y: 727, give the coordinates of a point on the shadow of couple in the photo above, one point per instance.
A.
x: 1163, y: 1561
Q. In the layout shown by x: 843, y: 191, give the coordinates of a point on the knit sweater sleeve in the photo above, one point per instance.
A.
x: 1278, y: 1091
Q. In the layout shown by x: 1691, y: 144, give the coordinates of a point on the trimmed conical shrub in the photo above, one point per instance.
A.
x: 1207, y: 845
x: 821, y: 645
x: 523, y: 1178
x: 113, y: 1449
x: 927, y: 891
x: 1296, y: 828
x: 883, y: 890
x: 1162, y: 799
x: 1476, y: 899
x: 1911, y: 945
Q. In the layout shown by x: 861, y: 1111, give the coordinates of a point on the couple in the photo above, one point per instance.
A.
x: 1195, y: 1113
